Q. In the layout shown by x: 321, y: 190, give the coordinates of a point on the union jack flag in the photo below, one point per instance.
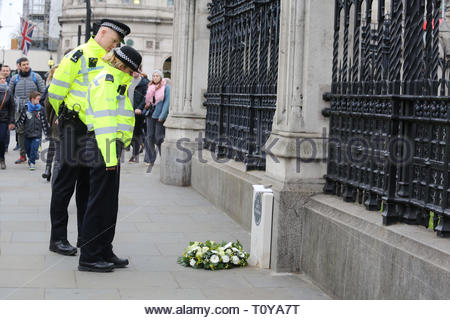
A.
x: 26, y: 30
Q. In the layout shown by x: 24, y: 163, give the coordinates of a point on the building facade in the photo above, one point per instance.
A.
x: 150, y: 22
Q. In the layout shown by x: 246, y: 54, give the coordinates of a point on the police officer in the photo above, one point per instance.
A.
x: 67, y: 95
x: 110, y: 122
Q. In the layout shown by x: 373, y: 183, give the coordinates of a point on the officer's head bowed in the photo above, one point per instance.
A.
x: 110, y: 33
x: 126, y: 59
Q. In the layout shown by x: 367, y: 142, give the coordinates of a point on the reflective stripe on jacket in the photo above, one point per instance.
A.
x: 110, y: 113
x: 73, y: 75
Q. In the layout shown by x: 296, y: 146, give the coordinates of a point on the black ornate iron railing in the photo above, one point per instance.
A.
x: 390, y: 111
x: 242, y: 79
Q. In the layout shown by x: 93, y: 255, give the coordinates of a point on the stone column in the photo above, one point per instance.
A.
x: 304, y: 74
x: 189, y: 83
x: 297, y: 147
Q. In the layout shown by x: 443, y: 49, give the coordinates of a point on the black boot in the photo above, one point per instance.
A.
x: 48, y: 172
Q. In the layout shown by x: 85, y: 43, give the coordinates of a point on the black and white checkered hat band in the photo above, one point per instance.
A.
x: 123, y: 56
x: 114, y: 27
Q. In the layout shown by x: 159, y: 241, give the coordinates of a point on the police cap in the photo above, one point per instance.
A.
x: 129, y: 56
x: 119, y: 27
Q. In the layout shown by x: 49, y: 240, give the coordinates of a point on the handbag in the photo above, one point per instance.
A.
x: 150, y: 110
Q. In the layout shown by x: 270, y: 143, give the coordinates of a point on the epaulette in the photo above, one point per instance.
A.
x: 77, y: 55
x: 109, y: 77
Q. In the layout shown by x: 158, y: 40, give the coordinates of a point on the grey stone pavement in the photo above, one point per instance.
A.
x: 155, y: 223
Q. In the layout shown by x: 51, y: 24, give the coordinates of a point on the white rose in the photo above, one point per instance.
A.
x: 241, y: 255
x: 235, y: 260
x: 214, y: 259
x: 225, y: 258
x: 192, y: 262
x: 205, y: 249
x: 228, y: 251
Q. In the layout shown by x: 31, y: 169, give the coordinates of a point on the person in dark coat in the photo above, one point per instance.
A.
x: 139, y: 104
x: 6, y: 71
x: 33, y: 121
x: 21, y: 85
x: 7, y: 112
x: 52, y: 119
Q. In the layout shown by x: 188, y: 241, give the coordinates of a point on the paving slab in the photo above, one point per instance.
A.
x: 21, y: 293
x: 24, y: 226
x: 158, y: 293
x: 155, y: 224
x: 22, y: 262
x: 82, y: 294
x: 198, y: 279
x: 248, y: 294
x: 156, y: 263
x: 125, y: 279
x: 41, y: 278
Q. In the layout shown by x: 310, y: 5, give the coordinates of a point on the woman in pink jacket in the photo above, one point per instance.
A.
x: 157, y: 103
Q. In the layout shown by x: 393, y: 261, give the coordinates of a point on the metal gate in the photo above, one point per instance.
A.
x: 242, y: 78
x: 390, y: 110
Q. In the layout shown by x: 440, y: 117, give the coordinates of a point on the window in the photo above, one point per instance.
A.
x: 149, y: 44
x: 170, y: 2
x: 167, y: 67
x: 67, y: 43
x: 156, y: 45
x: 36, y: 6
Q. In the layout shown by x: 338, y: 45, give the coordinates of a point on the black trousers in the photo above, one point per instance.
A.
x: 72, y: 173
x: 99, y: 224
x: 3, y: 135
x: 137, y: 135
x: 155, y: 137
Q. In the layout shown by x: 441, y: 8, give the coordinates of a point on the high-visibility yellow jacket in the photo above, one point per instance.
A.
x: 110, y: 113
x: 73, y: 75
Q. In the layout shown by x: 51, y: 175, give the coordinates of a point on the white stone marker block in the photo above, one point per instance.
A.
x: 261, y: 235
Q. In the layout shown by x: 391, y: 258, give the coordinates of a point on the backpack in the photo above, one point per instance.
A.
x: 32, y: 74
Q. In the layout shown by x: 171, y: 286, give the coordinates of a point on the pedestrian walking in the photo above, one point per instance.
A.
x: 67, y: 95
x: 110, y: 121
x: 157, y: 103
x: 7, y: 110
x: 138, y: 99
x: 21, y: 85
x: 6, y: 72
x: 33, y: 121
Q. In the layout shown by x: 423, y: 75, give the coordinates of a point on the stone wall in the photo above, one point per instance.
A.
x: 350, y: 255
